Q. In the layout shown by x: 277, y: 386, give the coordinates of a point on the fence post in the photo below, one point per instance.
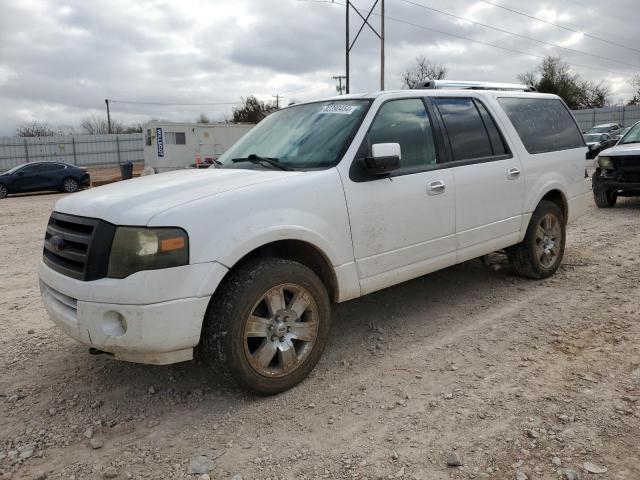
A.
x: 594, y: 117
x: 624, y: 110
x: 118, y: 149
x: 26, y: 150
x: 75, y: 157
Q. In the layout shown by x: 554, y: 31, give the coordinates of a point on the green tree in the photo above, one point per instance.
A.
x: 554, y: 75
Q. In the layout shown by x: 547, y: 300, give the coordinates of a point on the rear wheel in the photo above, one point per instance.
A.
x: 540, y: 253
x: 605, y: 198
x: 267, y: 326
x: 70, y: 185
x: 3, y: 191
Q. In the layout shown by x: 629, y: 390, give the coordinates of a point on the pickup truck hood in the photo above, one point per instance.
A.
x: 137, y: 201
x: 618, y: 150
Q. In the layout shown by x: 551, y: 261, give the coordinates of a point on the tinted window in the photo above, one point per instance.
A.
x: 405, y: 122
x: 466, y: 131
x: 497, y: 142
x: 53, y: 167
x: 30, y: 169
x: 543, y: 124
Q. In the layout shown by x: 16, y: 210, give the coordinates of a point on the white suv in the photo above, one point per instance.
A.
x: 321, y: 202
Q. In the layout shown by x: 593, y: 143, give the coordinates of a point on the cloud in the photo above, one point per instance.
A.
x: 60, y: 59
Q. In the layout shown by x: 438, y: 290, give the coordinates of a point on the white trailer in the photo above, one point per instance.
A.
x: 172, y: 146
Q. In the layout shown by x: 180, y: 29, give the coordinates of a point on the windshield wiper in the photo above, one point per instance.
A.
x: 253, y: 158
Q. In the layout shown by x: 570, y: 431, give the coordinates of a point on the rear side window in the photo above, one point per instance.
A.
x: 543, y: 124
x: 471, y: 130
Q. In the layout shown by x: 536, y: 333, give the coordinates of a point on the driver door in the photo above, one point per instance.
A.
x: 403, y: 223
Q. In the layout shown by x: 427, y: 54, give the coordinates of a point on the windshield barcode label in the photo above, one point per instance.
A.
x: 340, y: 109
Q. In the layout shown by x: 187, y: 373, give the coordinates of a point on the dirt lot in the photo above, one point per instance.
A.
x: 521, y: 379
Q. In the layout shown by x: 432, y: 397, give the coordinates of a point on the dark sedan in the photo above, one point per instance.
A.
x: 42, y: 176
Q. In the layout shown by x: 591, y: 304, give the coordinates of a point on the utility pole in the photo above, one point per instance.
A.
x: 341, y: 89
x: 277, y: 97
x: 349, y: 44
x: 381, y: 44
x: 106, y: 100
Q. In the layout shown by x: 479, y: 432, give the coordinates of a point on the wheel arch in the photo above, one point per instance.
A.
x: 558, y: 197
x: 300, y: 251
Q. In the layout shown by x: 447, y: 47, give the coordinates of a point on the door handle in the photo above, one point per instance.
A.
x: 513, y: 173
x: 436, y: 188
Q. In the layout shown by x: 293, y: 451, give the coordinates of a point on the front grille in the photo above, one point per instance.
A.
x: 78, y: 247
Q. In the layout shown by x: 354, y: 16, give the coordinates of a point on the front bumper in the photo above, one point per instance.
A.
x: 108, y: 314
x: 615, y: 182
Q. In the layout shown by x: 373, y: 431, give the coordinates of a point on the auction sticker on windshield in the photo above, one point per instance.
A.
x: 339, y: 109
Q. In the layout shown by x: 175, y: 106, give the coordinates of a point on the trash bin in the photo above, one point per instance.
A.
x: 126, y: 170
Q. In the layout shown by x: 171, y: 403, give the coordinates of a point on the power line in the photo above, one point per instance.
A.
x: 134, y: 102
x: 517, y: 34
x: 480, y: 42
x: 508, y: 9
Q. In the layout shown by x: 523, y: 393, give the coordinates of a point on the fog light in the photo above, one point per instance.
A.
x: 114, y: 324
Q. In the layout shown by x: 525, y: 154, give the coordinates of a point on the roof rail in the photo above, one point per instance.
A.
x: 470, y: 85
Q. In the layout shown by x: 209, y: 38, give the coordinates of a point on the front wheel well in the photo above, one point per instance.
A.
x: 557, y: 197
x: 302, y: 252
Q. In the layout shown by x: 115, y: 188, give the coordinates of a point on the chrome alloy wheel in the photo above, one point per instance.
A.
x: 548, y: 240
x: 70, y: 185
x: 281, y: 330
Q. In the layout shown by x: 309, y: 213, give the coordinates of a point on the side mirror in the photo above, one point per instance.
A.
x: 385, y: 157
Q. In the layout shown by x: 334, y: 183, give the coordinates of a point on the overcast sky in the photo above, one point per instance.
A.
x: 59, y: 60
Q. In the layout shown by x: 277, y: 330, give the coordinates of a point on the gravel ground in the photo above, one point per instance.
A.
x: 471, y: 366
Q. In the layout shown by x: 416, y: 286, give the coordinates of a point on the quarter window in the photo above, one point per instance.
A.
x: 405, y: 122
x: 543, y: 124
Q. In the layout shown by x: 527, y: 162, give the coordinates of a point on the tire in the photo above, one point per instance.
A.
x: 3, y: 191
x: 70, y: 185
x: 240, y: 349
x: 539, y: 255
x: 605, y: 198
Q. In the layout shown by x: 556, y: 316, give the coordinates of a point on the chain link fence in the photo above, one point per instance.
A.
x: 82, y: 150
x: 625, y: 116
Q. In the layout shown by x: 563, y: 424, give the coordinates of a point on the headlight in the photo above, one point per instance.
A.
x: 137, y: 248
x: 606, y: 163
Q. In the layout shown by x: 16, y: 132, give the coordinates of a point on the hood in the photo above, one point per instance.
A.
x: 137, y: 201
x: 619, y: 150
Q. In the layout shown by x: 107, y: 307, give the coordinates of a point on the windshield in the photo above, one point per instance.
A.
x: 304, y: 136
x: 602, y: 129
x: 633, y: 135
x: 594, y: 137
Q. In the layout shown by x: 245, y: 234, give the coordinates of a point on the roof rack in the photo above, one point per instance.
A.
x: 470, y: 85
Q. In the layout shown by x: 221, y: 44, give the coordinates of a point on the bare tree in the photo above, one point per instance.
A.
x: 203, y: 119
x: 252, y: 110
x: 35, y: 129
x: 635, y: 100
x: 422, y: 71
x: 95, y: 125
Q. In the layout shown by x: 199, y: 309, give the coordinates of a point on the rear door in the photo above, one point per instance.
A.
x: 488, y: 176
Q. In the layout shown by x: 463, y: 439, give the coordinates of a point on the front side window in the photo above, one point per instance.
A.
x: 312, y: 135
x: 405, y: 122
x: 543, y: 124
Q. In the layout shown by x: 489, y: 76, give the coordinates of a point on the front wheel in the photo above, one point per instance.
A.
x: 70, y: 185
x: 3, y: 191
x: 268, y: 325
x: 605, y: 198
x: 540, y: 253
